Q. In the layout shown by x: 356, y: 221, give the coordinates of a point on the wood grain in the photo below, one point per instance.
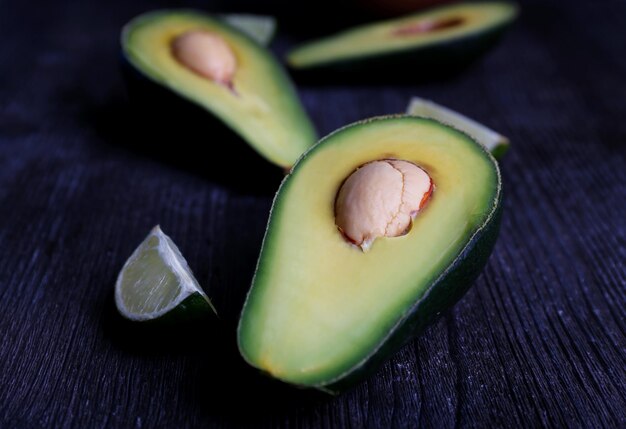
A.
x: 540, y: 340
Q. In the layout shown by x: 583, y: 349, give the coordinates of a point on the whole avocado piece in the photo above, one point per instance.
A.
x: 429, y: 44
x: 230, y: 76
x: 326, y: 307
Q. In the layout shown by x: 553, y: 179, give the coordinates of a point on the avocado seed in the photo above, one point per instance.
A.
x: 206, y: 54
x: 381, y: 199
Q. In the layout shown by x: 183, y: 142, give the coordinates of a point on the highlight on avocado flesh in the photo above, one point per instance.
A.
x: 381, y: 199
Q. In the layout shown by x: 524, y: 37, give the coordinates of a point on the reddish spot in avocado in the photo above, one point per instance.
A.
x: 348, y: 238
x: 427, y: 195
x: 428, y: 26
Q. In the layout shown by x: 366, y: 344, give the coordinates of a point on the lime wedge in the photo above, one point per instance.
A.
x: 156, y: 282
x: 495, y: 143
x: 260, y: 27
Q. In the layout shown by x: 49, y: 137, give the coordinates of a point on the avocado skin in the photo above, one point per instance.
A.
x: 440, y: 296
x: 429, y: 62
x: 175, y: 130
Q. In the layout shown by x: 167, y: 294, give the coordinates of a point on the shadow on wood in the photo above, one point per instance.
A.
x: 223, y: 385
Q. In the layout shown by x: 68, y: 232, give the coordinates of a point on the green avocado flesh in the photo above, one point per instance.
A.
x: 407, y: 36
x: 262, y: 106
x: 323, y: 313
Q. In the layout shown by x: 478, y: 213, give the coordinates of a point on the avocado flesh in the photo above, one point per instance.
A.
x: 320, y: 308
x: 263, y: 108
x: 448, y: 24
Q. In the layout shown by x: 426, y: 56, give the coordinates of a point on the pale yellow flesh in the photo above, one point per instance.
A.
x: 382, y: 37
x: 259, y: 106
x: 319, y: 305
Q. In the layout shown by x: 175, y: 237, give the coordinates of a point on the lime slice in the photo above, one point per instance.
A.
x: 156, y: 282
x: 260, y: 27
x: 495, y: 143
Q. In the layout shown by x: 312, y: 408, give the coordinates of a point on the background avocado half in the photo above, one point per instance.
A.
x: 322, y: 313
x: 260, y: 104
x: 436, y: 41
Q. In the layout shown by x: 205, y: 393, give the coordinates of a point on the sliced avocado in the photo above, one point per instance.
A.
x: 226, y: 72
x: 323, y: 312
x: 443, y: 37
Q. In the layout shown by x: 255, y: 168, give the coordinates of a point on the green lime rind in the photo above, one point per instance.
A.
x: 495, y: 142
x: 156, y: 283
x: 261, y: 28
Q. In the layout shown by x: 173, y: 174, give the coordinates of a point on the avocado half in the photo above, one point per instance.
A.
x: 447, y: 36
x: 260, y: 105
x: 323, y: 313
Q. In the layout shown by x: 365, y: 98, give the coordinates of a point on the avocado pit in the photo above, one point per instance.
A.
x: 381, y: 199
x: 206, y: 54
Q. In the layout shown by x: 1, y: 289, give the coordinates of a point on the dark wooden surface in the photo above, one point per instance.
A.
x: 539, y: 341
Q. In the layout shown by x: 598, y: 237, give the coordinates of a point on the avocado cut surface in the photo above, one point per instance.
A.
x: 441, y: 36
x: 260, y: 104
x: 321, y: 312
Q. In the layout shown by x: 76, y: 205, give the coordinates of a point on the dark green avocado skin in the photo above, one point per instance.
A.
x: 165, y: 126
x: 436, y: 61
x: 440, y: 297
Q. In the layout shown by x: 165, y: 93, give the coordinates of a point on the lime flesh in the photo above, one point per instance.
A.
x: 260, y: 27
x: 155, y: 280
